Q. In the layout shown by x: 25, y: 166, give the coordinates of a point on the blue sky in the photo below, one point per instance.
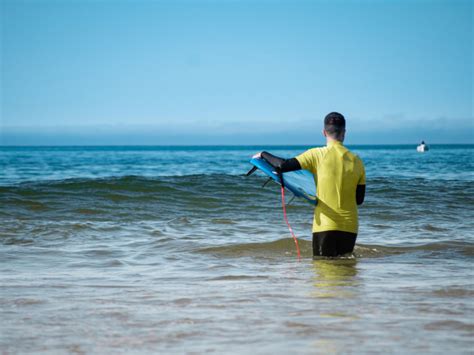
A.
x: 235, y: 72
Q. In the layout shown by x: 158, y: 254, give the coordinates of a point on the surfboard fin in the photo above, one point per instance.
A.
x: 291, y: 200
x: 251, y: 171
x: 266, y: 182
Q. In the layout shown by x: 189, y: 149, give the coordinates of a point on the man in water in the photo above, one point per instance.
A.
x: 340, y: 181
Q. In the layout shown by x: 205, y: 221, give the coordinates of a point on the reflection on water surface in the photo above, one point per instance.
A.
x: 335, y: 278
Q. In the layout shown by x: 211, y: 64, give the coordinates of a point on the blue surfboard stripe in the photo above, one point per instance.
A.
x: 300, y: 182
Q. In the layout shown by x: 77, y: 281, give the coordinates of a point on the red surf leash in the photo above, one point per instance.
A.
x: 288, y: 223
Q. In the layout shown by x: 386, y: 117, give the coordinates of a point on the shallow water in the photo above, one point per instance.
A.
x: 156, y: 249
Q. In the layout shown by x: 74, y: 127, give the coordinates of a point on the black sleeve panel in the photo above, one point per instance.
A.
x: 360, y: 194
x: 290, y: 165
x: 273, y: 160
x: 284, y: 165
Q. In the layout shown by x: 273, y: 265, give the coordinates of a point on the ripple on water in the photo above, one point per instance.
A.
x: 451, y: 325
x: 455, y: 292
x: 238, y: 277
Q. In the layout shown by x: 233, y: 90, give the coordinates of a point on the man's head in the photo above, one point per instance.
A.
x: 334, y: 126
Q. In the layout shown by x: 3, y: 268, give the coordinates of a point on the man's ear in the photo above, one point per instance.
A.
x: 324, y: 133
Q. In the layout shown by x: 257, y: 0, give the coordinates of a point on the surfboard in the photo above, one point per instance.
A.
x: 299, y: 182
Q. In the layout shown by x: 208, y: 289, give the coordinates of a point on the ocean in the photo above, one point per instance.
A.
x: 174, y: 250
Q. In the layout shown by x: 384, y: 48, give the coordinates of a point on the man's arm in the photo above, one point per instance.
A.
x: 284, y: 165
x: 360, y: 194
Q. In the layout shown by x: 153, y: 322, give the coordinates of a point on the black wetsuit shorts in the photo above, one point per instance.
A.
x: 333, y: 243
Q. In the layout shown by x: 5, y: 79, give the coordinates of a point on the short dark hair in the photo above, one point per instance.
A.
x: 334, y: 124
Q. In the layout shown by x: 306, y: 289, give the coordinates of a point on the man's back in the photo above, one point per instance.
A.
x: 337, y: 172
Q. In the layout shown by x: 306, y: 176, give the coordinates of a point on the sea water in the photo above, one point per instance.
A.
x: 174, y: 250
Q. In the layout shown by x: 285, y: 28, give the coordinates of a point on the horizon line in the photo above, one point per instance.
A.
x: 212, y: 145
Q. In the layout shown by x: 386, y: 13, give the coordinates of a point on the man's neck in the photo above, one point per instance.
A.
x: 330, y: 141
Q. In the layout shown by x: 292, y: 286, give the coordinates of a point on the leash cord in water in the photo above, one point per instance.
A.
x: 288, y: 223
